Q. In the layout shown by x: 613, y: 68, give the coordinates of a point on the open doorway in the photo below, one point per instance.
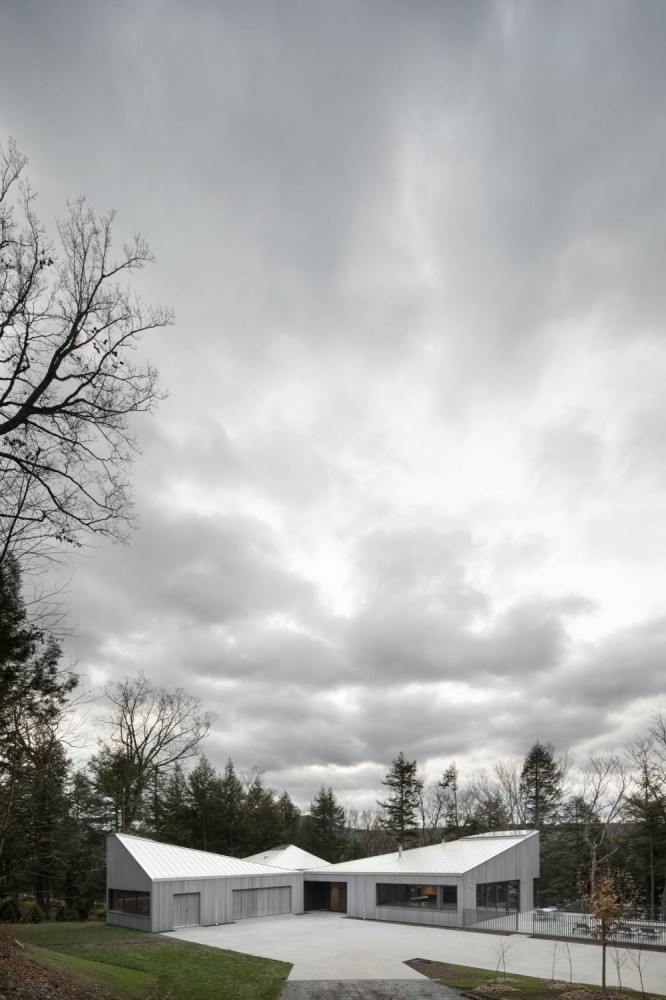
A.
x: 325, y: 896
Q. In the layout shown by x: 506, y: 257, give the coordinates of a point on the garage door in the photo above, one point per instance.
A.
x: 186, y: 909
x: 261, y: 902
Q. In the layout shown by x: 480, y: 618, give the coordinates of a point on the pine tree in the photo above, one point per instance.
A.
x: 401, y: 806
x: 449, y: 786
x: 203, y: 785
x: 33, y: 690
x: 541, y: 785
x: 324, y: 827
x: 261, y: 825
x: 232, y: 806
x: 175, y: 813
x: 289, y: 817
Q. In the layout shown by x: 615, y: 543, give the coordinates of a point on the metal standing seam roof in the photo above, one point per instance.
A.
x: 165, y: 861
x: 453, y: 858
x: 289, y: 856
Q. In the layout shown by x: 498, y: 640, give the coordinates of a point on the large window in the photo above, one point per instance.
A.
x: 502, y: 896
x: 430, y: 897
x: 130, y: 901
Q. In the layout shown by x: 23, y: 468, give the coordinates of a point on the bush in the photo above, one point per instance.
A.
x: 9, y: 911
x: 33, y: 915
x: 66, y: 914
x: 82, y: 910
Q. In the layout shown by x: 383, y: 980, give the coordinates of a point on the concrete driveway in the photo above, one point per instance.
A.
x: 325, y: 946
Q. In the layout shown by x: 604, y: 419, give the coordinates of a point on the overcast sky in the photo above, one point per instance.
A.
x: 408, y: 491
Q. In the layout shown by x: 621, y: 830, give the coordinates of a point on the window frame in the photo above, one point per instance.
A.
x: 415, y: 896
x: 130, y: 902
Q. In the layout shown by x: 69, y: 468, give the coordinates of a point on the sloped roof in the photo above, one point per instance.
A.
x: 288, y: 856
x: 453, y: 858
x: 165, y: 861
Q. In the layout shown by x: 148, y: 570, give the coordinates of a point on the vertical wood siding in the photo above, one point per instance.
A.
x: 520, y: 861
x: 260, y: 902
x: 217, y: 896
x: 123, y: 872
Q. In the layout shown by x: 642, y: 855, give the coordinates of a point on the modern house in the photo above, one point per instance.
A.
x: 157, y: 887
x: 493, y: 872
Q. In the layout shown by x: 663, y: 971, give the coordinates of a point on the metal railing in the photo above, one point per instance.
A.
x: 550, y: 922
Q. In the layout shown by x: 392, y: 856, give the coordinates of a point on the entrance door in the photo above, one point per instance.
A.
x: 186, y: 909
x: 338, y: 897
x: 325, y: 896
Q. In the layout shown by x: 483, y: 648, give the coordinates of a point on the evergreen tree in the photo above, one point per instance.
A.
x: 203, y: 786
x: 232, y: 812
x: 33, y: 690
x: 324, y: 832
x: 401, y: 806
x: 289, y: 818
x: 449, y: 786
x: 541, y: 785
x: 261, y: 819
x: 174, y: 824
x: 84, y: 833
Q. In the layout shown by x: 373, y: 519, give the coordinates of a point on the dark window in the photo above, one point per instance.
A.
x: 449, y: 897
x: 130, y: 901
x: 420, y: 896
x: 502, y: 896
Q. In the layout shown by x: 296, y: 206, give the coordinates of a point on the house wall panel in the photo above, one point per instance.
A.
x: 519, y: 862
x: 216, y: 896
x: 123, y: 872
x: 362, y: 898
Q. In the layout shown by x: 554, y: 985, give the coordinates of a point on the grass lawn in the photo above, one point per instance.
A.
x: 485, y: 983
x: 131, y: 965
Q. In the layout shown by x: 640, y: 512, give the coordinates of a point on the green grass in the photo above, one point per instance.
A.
x: 505, y: 985
x: 131, y: 965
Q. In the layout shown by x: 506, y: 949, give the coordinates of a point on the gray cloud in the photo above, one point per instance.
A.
x: 407, y: 489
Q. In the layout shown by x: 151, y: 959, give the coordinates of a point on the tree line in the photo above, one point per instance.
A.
x: 149, y: 777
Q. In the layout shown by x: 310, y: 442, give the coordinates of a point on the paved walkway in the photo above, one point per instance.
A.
x: 367, y: 989
x: 329, y: 947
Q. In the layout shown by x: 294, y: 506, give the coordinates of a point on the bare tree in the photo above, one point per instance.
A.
x: 639, y: 959
x: 150, y: 731
x: 508, y: 775
x: 608, y: 897
x: 432, y: 807
x: 68, y: 379
x: 604, y: 785
x: 373, y: 837
x: 490, y: 808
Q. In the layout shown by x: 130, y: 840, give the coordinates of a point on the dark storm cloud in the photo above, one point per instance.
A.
x: 626, y: 666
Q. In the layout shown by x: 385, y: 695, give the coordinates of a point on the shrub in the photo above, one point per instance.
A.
x: 9, y: 911
x: 66, y: 914
x: 33, y: 915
